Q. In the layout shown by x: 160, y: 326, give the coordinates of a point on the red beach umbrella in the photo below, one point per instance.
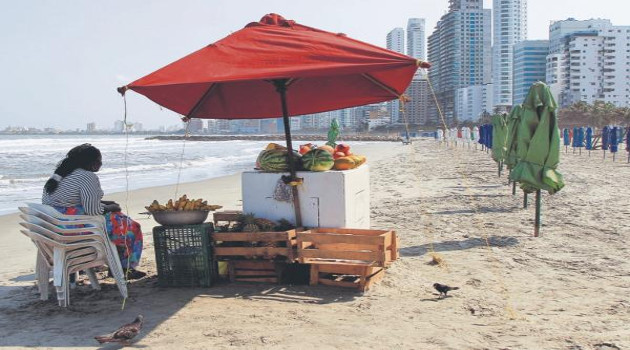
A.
x: 278, y: 68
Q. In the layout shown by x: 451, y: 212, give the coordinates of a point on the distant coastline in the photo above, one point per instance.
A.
x: 390, y: 138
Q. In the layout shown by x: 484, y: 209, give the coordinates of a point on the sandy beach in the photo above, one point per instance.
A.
x: 568, y: 289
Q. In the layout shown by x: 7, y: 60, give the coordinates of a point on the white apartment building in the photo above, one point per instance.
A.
x: 589, y: 64
x: 510, y: 27
x: 416, y: 43
x: 472, y: 101
x: 395, y: 42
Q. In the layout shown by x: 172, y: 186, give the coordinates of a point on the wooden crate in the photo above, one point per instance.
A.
x: 254, y: 271
x: 347, y: 275
x: 372, y: 247
x: 227, y: 215
x: 249, y: 245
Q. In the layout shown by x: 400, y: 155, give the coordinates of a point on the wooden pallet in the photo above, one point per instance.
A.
x: 250, y: 245
x: 346, y: 275
x: 372, y: 247
x: 264, y: 271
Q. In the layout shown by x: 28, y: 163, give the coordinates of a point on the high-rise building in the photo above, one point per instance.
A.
x: 119, y: 126
x: 91, y: 127
x: 530, y: 62
x: 460, y: 53
x: 471, y: 102
x: 395, y: 42
x: 195, y: 126
x: 416, y: 110
x: 510, y: 27
x: 589, y: 62
x: 416, y: 46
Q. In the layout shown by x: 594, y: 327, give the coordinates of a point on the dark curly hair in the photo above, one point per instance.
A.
x: 83, y: 156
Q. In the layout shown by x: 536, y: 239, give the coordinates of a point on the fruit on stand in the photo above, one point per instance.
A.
x: 318, y: 159
x: 344, y: 163
x: 327, y: 148
x: 343, y: 148
x: 339, y: 155
x: 305, y: 148
x: 274, y: 146
x: 182, y: 204
x: 275, y: 159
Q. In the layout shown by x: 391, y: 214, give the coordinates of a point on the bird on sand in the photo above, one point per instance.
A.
x: 443, y: 289
x: 123, y: 334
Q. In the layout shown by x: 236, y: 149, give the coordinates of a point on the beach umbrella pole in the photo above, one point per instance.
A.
x: 525, y: 200
x: 281, y: 87
x: 537, y: 222
x: 514, y: 188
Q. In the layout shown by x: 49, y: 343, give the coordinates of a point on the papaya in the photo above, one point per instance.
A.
x: 344, y: 163
x: 358, y: 159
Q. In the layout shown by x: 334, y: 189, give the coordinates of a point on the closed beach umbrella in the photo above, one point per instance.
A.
x: 538, y: 143
x: 566, y: 138
x: 614, y: 141
x: 513, y: 122
x: 489, y: 130
x: 499, y: 137
x: 580, y: 138
x: 482, y: 134
x: 605, y: 139
x: 574, y: 138
x: 628, y: 142
x: 538, y: 147
x: 589, y: 139
x: 474, y: 135
x: 278, y: 68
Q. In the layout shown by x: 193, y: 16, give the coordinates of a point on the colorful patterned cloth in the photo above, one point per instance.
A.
x: 122, y: 231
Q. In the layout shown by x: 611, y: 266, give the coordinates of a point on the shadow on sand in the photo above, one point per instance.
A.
x: 75, y: 325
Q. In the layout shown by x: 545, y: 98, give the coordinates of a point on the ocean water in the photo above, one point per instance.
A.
x: 26, y: 162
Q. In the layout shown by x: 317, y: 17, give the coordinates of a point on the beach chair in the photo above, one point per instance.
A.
x: 69, y: 250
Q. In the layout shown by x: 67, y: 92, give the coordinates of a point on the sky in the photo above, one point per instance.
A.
x: 61, y: 61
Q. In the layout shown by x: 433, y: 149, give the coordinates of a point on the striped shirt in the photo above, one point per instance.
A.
x: 81, y: 187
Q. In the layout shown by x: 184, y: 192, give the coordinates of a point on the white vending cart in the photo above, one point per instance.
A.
x: 327, y: 199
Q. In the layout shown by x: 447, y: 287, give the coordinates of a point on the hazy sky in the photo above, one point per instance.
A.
x: 61, y: 61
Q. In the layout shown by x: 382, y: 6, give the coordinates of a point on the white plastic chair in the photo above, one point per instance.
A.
x: 64, y: 253
x: 51, y: 215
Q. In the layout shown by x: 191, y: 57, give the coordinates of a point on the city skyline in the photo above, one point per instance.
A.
x: 63, y: 61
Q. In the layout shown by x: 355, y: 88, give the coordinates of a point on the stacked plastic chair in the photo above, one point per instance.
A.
x: 68, y: 244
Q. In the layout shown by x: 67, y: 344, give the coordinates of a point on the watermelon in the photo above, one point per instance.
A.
x: 317, y: 160
x: 275, y: 160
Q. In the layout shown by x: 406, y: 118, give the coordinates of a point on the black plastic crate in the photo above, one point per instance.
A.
x: 183, y: 255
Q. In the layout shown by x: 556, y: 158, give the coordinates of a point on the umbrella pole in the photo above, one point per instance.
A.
x: 513, y: 188
x: 281, y: 87
x: 525, y: 200
x: 538, y: 223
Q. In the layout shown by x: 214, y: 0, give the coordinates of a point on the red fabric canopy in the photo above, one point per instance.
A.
x: 230, y: 79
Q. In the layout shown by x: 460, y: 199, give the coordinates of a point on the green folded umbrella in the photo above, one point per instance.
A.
x: 513, y: 121
x: 499, y: 137
x: 538, y: 143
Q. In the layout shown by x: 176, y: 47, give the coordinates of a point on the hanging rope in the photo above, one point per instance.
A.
x: 402, y: 99
x: 126, y: 126
x: 181, y: 157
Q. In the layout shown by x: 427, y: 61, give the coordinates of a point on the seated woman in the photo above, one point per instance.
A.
x: 74, y: 189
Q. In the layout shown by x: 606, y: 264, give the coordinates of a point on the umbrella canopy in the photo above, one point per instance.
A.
x: 574, y: 142
x: 234, y: 77
x: 499, y: 137
x: 589, y: 138
x: 580, y: 137
x: 474, y: 135
x: 513, y: 121
x: 614, y: 140
x: 538, y: 143
x: 605, y: 138
x: 566, y: 138
x: 628, y: 139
